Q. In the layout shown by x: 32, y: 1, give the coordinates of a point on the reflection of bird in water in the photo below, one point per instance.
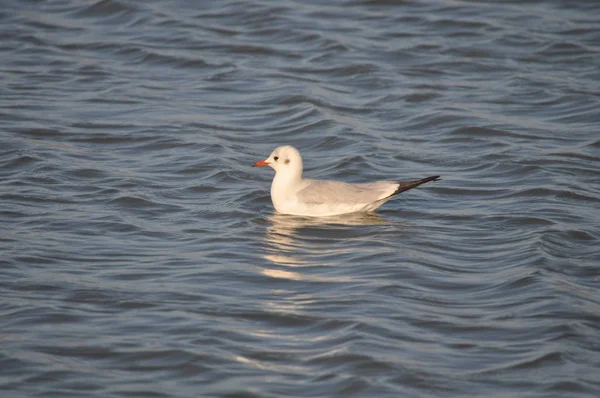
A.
x: 286, y: 224
x: 292, y: 194
x: 302, y: 248
x: 286, y: 247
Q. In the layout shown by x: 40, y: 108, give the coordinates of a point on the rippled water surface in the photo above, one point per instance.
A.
x: 140, y: 253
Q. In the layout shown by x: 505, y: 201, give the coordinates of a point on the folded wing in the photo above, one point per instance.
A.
x: 331, y: 192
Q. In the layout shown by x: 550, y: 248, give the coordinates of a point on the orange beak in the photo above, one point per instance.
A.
x: 260, y: 163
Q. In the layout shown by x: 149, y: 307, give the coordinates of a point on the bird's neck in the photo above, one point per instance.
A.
x: 284, y: 183
x: 286, y: 179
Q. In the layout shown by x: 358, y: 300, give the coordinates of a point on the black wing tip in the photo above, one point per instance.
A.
x: 405, y: 186
x: 432, y: 178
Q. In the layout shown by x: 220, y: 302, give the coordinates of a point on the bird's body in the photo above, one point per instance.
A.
x: 292, y: 194
x: 328, y: 198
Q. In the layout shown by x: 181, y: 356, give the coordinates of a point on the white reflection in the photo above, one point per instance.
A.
x: 277, y: 273
x: 299, y: 248
x: 286, y: 248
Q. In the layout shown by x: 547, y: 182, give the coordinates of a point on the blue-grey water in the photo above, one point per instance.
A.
x: 141, y: 255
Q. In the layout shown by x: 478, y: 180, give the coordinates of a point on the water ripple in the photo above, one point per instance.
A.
x: 141, y: 255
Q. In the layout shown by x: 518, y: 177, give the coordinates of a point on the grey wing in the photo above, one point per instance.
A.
x: 327, y: 192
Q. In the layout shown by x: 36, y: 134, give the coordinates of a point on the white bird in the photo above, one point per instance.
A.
x: 292, y: 194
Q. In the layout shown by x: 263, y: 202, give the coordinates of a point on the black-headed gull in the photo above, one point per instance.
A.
x: 292, y: 194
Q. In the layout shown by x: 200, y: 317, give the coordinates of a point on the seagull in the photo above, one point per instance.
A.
x: 292, y: 194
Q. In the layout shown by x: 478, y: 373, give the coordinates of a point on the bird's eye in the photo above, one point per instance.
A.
x: 276, y: 158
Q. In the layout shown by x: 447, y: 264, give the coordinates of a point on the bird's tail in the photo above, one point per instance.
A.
x: 406, y: 185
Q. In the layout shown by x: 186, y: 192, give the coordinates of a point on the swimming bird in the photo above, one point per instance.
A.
x: 292, y: 194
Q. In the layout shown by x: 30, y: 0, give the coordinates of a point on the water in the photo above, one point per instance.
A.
x: 141, y: 256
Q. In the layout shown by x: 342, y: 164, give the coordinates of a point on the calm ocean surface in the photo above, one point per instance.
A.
x: 140, y: 253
